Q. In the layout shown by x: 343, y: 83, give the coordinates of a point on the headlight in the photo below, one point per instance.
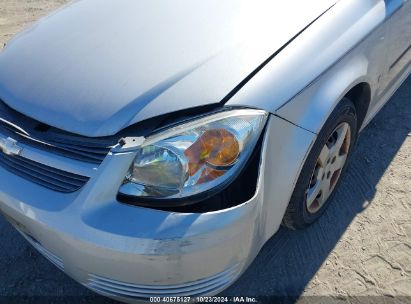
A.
x: 195, y: 157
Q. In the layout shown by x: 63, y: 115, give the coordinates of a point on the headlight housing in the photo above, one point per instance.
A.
x: 193, y: 158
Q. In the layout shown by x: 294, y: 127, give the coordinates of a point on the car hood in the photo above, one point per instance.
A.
x: 95, y: 67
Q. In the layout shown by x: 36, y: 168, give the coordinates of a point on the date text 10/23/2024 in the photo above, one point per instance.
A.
x: 203, y: 300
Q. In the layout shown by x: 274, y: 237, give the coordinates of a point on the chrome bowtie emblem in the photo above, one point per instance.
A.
x: 9, y: 146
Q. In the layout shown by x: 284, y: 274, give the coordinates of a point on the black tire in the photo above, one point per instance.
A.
x: 297, y: 215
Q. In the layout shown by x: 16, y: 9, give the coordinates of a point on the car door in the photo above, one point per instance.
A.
x: 399, y: 38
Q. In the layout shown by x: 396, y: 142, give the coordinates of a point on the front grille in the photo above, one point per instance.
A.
x: 34, y: 133
x: 202, y: 287
x: 49, y: 255
x: 54, y: 259
x: 49, y: 177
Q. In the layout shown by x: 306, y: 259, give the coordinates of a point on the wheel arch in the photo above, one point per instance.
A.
x: 360, y: 95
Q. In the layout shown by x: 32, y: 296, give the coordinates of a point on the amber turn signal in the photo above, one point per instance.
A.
x: 217, y: 147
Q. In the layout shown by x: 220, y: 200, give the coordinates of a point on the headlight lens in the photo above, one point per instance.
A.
x: 194, y: 157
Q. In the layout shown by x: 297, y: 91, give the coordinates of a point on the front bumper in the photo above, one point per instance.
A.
x: 132, y: 253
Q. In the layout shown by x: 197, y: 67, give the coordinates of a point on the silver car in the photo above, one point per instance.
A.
x: 158, y: 162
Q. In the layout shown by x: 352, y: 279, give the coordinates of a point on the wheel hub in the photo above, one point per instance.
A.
x: 328, y: 168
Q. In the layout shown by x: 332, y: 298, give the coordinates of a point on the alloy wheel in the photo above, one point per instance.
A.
x: 328, y: 168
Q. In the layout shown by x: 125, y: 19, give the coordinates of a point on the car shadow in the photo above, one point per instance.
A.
x: 290, y: 259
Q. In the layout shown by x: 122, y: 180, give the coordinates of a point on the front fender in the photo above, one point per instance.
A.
x: 311, y: 108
